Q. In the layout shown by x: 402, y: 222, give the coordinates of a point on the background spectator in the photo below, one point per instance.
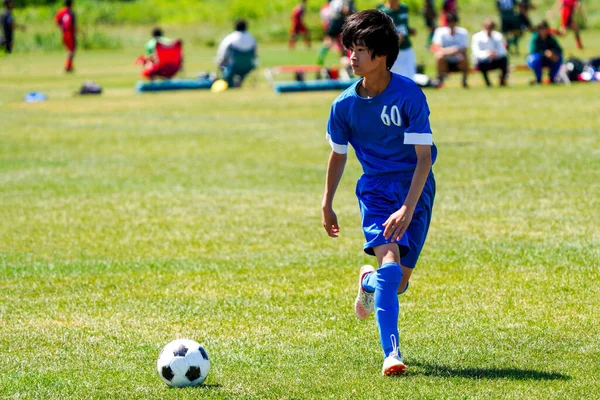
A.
x: 489, y: 52
x: 544, y: 51
x: 237, y: 54
x: 450, y: 49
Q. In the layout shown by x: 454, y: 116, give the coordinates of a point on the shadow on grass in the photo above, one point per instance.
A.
x: 209, y: 386
x: 203, y: 386
x: 427, y: 369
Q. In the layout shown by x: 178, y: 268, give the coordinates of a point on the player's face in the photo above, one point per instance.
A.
x: 361, y: 61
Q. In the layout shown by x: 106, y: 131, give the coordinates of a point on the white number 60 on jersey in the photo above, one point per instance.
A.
x: 393, y: 118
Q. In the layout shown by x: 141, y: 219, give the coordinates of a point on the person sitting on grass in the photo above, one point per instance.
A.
x: 449, y: 45
x: 154, y: 67
x: 544, y: 51
x: 237, y: 54
x: 489, y: 52
x: 385, y: 117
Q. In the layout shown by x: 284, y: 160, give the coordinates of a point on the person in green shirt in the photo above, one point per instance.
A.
x: 544, y: 51
x: 406, y: 64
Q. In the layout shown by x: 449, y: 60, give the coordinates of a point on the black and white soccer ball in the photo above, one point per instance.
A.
x: 182, y: 363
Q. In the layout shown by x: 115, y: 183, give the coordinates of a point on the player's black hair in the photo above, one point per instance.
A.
x: 451, y: 17
x: 241, y: 25
x: 5, y: 2
x: 157, y: 32
x: 68, y: 3
x: 376, y: 31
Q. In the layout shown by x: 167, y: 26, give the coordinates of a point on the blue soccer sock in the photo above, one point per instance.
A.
x: 369, y: 282
x: 387, y: 308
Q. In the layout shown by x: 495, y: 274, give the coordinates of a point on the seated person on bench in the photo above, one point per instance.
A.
x: 489, y: 52
x: 449, y: 46
x: 236, y: 55
x: 163, y: 57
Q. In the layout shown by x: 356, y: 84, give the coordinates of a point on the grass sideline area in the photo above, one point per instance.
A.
x: 130, y: 220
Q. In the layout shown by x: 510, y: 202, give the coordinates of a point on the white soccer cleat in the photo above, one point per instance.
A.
x: 363, y: 305
x: 393, y: 365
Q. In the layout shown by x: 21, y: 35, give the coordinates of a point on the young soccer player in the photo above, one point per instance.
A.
x: 65, y: 19
x: 338, y: 11
x: 7, y: 23
x: 448, y: 7
x: 406, y: 63
x: 567, y: 20
x: 385, y: 117
x: 298, y: 26
x: 430, y: 15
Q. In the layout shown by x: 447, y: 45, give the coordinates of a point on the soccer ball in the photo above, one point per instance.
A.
x: 182, y: 363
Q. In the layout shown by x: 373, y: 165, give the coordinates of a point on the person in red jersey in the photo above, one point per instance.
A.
x: 298, y: 26
x: 65, y: 19
x: 448, y: 7
x: 568, y: 8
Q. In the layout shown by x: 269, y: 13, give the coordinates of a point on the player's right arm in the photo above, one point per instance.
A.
x: 335, y: 170
x: 337, y: 136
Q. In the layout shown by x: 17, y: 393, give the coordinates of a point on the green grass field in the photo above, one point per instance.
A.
x: 128, y: 220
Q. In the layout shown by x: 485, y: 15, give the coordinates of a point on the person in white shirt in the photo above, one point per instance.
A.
x: 489, y: 52
x: 237, y: 54
x: 449, y: 45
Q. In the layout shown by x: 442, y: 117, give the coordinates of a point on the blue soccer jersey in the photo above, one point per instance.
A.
x: 382, y: 130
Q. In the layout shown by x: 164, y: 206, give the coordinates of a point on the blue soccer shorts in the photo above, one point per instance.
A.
x: 381, y: 196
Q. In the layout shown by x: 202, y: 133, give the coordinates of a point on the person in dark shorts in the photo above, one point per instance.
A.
x: 7, y: 21
x: 430, y: 14
x: 525, y: 21
x: 510, y: 24
x: 489, y: 52
x: 339, y: 10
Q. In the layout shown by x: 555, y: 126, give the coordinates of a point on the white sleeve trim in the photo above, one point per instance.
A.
x: 418, y: 138
x: 338, y: 148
